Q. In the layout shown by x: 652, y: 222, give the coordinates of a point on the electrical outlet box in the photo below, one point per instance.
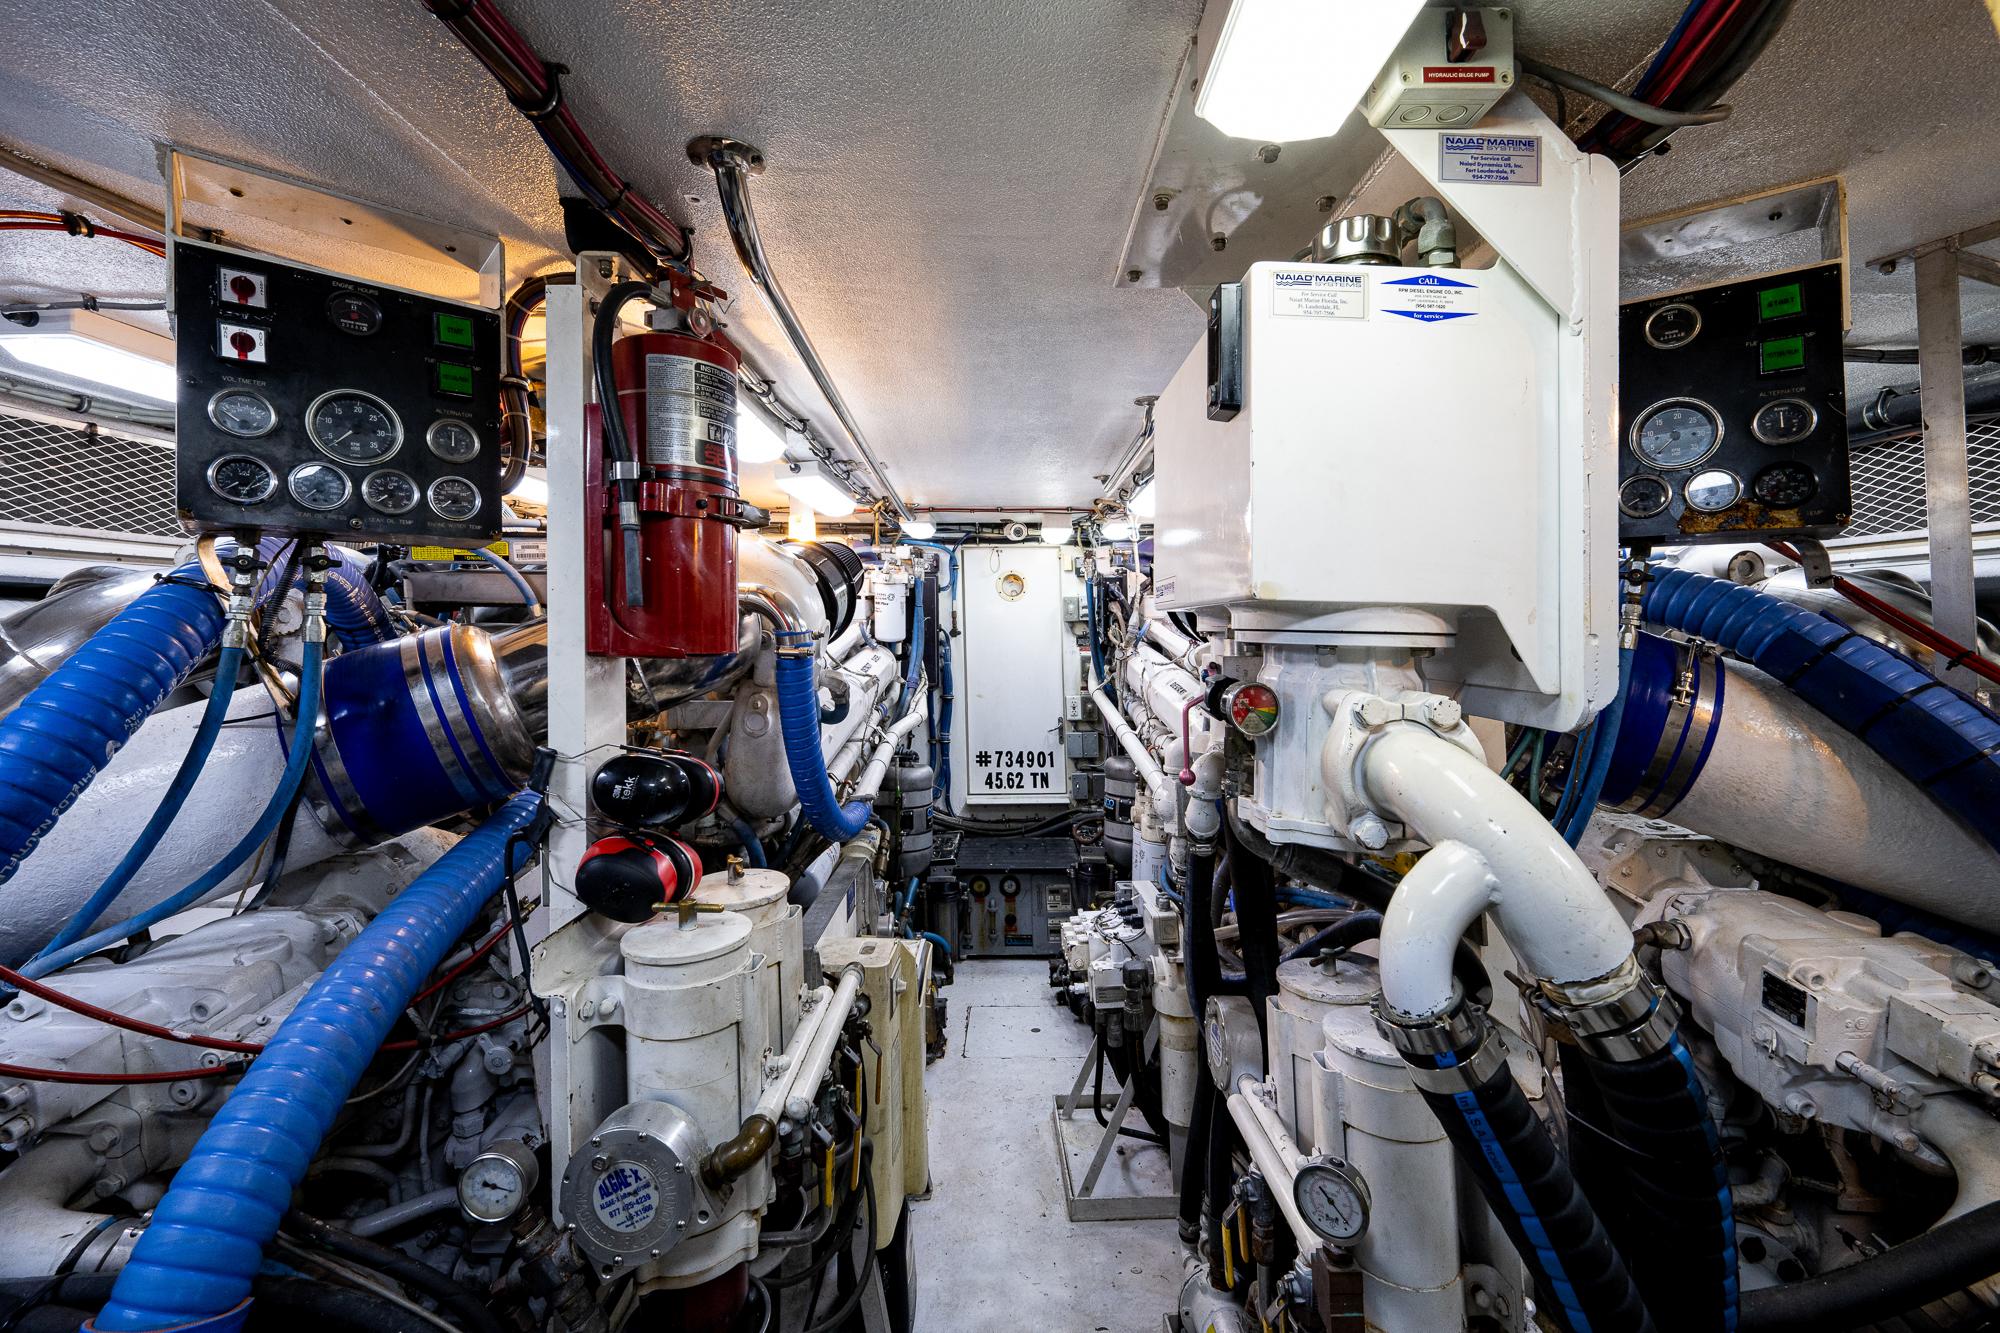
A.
x: 1073, y: 708
x: 1453, y: 65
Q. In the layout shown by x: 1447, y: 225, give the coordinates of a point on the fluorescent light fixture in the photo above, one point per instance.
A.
x: 922, y: 529
x: 1140, y: 505
x: 1117, y: 530
x: 1294, y: 69
x: 757, y: 440
x: 82, y: 345
x: 812, y: 484
x: 532, y: 490
x: 800, y: 525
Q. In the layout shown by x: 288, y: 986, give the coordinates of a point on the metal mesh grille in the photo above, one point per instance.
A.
x: 60, y: 476
x: 1889, y: 484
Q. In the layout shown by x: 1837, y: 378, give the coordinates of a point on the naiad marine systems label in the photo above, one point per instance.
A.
x: 691, y: 417
x: 1490, y: 159
x: 1319, y: 294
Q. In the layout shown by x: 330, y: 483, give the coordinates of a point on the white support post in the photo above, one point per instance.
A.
x: 1947, y: 486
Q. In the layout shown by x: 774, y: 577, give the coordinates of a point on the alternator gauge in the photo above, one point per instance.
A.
x: 1332, y: 1198
x: 242, y: 413
x: 1785, y: 485
x: 1784, y: 421
x: 319, y: 486
x: 452, y: 440
x: 390, y: 492
x: 241, y: 478
x: 455, y: 498
x: 354, y: 427
x: 1713, y: 491
x: 1643, y: 496
x: 1676, y: 433
x: 1673, y: 326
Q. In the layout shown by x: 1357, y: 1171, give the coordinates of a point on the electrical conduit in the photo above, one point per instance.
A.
x: 193, y: 1266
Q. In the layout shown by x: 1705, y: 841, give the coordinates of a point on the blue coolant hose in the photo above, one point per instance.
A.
x: 298, y: 759
x: 917, y: 628
x: 227, y: 663
x: 1930, y: 733
x: 192, y: 1267
x: 69, y: 726
x: 798, y: 715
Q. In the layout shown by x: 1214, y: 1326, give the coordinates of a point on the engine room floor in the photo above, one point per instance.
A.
x: 995, y: 1248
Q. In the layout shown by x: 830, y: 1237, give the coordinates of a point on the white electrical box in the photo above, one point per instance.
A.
x: 1452, y: 66
x: 1012, y: 666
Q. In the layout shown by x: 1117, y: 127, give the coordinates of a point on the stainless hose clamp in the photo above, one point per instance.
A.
x: 1634, y: 1024
x: 1449, y: 1053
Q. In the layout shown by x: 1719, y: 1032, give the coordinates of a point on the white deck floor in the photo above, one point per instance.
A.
x: 995, y: 1249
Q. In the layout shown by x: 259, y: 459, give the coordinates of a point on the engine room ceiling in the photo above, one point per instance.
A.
x: 950, y: 186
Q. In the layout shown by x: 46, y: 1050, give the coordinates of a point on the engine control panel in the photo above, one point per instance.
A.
x: 313, y: 403
x: 1014, y: 893
x: 1733, y: 405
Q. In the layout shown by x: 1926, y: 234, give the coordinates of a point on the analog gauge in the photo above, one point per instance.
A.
x: 1785, y: 485
x: 1785, y: 421
x: 1713, y: 491
x: 319, y: 486
x: 241, y: 478
x: 453, y: 441
x: 390, y: 491
x: 455, y: 498
x: 354, y: 427
x: 242, y: 413
x: 351, y: 312
x: 1673, y: 326
x: 1643, y: 496
x: 495, y: 1185
x: 1676, y: 433
x: 1332, y: 1198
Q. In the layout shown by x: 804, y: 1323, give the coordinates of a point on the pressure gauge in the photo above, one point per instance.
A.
x: 242, y: 413
x: 1251, y: 707
x: 351, y: 312
x: 390, y: 492
x: 1713, y: 491
x: 1784, y: 421
x: 495, y: 1185
x: 1673, y: 326
x: 241, y: 478
x: 454, y: 498
x: 452, y: 440
x: 354, y: 427
x: 1676, y: 433
x: 1332, y: 1198
x: 319, y: 486
x: 1643, y: 496
x: 1785, y: 485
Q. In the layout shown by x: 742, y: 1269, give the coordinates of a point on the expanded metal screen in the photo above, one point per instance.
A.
x: 1889, y: 483
x: 64, y: 477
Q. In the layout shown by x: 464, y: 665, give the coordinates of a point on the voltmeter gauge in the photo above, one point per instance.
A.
x: 1676, y: 433
x: 454, y: 498
x: 390, y: 492
x: 241, y: 478
x: 1644, y: 496
x: 1332, y: 1198
x: 242, y: 413
x: 351, y: 312
x: 1784, y: 421
x: 1673, y: 326
x: 1785, y: 485
x: 452, y: 440
x: 319, y: 486
x: 1713, y: 491
x: 354, y: 427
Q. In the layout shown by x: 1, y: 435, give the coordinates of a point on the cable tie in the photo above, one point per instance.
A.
x: 76, y: 224
x: 1896, y: 704
x: 554, y: 99
x: 1952, y: 770
x: 181, y: 581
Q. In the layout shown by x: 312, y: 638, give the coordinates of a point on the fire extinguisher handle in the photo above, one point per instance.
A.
x: 635, y: 569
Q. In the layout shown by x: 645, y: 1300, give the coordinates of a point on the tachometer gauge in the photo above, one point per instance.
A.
x: 242, y: 413
x: 1332, y: 1198
x: 455, y: 498
x: 390, y: 492
x: 319, y: 486
x: 1676, y: 433
x: 354, y: 427
x: 453, y: 441
x: 241, y: 478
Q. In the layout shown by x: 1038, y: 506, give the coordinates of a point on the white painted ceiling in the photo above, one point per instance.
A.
x: 950, y: 181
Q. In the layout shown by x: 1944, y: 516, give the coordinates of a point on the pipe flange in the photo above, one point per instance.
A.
x: 1358, y: 717
x: 707, y: 149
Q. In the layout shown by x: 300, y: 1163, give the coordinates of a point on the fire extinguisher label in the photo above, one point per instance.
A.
x: 691, y: 416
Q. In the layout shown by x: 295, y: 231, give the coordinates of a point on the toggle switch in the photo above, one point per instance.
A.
x: 239, y: 342
x: 242, y: 287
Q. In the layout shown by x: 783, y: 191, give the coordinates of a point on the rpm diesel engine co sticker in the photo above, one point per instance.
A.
x: 1428, y: 298
x: 626, y: 1197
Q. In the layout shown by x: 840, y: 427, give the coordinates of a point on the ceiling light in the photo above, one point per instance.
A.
x: 800, y: 525
x: 1117, y: 529
x: 81, y: 345
x: 531, y: 490
x: 757, y: 440
x: 814, y: 485
x: 1140, y: 505
x: 919, y: 529
x: 1291, y: 69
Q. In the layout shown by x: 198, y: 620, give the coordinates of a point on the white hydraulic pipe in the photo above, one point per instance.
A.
x: 1964, y: 1134
x: 1158, y: 785
x: 1273, y: 1153
x: 1490, y: 850
x: 885, y: 754
x: 849, y: 640
x: 819, y: 1029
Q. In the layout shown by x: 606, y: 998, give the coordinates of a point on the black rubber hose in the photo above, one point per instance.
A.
x: 1935, y: 1264
x: 1097, y: 1098
x: 1194, y: 1162
x: 1204, y: 965
x: 458, y: 1303
x: 283, y: 1305
x: 1343, y: 934
x: 1674, y: 1220
x: 1580, y: 1280
x: 1146, y: 1097
x: 1257, y: 929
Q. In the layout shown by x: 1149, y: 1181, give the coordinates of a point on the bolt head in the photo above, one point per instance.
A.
x: 599, y: 1162
x: 1376, y: 712
x: 1445, y: 714
x: 1161, y: 199
x: 1325, y: 203
x: 1218, y: 242
x: 1370, y: 832
x: 1269, y: 153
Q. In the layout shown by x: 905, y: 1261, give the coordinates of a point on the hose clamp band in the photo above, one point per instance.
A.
x: 1634, y: 1024
x: 618, y: 471
x: 1693, y: 710
x: 1447, y: 1054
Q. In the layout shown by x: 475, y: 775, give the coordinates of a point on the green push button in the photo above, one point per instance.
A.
x: 1778, y: 355
x: 454, y: 379
x: 1780, y: 302
x: 453, y: 330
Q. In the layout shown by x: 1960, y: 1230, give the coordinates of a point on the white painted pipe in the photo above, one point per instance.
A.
x: 1268, y: 1152
x: 1964, y: 1135
x: 1158, y: 784
x: 818, y: 1032
x: 850, y: 638
x: 1490, y: 850
x: 885, y: 753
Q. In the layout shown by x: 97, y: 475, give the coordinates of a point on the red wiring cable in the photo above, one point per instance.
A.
x: 491, y: 943
x: 1955, y: 652
x: 474, y: 1031
x: 23, y: 220
x: 29, y: 986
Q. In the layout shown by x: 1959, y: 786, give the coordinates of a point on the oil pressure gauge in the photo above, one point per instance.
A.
x: 1332, y: 1198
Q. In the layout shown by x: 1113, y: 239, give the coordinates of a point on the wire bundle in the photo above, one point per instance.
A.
x: 1711, y: 46
x: 75, y: 224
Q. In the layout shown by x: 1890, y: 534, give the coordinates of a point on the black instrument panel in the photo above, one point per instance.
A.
x: 1733, y: 412
x: 310, y: 402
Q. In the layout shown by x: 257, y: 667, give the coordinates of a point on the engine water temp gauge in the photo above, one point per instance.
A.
x: 455, y: 498
x: 241, y: 478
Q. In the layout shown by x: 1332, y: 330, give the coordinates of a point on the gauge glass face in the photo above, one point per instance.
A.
x: 354, y: 427
x: 1330, y: 1202
x: 491, y: 1188
x: 242, y: 413
x: 1786, y: 421
x: 1673, y: 326
x: 453, y: 441
x: 1785, y: 485
x: 390, y: 491
x: 1643, y: 497
x: 1712, y: 491
x: 455, y: 498
x: 351, y: 312
x: 319, y: 486
x: 241, y: 478
x: 1677, y: 433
